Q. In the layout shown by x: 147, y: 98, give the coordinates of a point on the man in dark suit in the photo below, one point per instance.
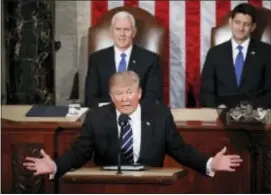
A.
x: 120, y: 57
x: 148, y: 135
x: 241, y: 65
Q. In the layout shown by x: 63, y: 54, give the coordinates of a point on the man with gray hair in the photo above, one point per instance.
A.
x: 123, y: 55
x: 148, y: 125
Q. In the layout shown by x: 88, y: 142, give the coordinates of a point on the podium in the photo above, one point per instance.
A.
x: 96, y: 180
x: 24, y: 136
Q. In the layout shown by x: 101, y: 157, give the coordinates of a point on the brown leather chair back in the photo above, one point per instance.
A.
x: 150, y: 35
x: 222, y: 32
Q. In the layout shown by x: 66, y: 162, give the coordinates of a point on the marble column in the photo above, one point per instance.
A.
x: 72, y: 21
x: 29, y: 45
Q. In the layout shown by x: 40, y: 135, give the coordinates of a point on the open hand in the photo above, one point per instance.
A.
x: 40, y: 166
x: 222, y: 162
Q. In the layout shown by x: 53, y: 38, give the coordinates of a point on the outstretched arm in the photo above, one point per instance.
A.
x: 77, y: 156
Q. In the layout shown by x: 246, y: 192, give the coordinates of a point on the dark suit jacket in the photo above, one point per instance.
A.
x: 99, y: 139
x: 102, y: 67
x: 218, y: 75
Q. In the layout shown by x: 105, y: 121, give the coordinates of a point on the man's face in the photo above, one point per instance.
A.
x: 241, y: 26
x: 125, y: 98
x: 123, y: 33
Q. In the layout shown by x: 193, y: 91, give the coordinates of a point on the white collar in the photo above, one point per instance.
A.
x: 133, y: 116
x: 119, y: 52
x: 244, y: 44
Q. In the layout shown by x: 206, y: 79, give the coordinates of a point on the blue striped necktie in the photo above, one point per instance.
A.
x: 122, y: 64
x: 127, y: 143
x: 239, y: 64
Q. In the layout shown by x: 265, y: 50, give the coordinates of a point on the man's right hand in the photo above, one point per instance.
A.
x: 40, y: 166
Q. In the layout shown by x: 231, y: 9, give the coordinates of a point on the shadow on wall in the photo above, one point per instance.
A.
x: 77, y: 91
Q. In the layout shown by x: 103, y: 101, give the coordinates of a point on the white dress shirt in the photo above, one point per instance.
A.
x: 117, y: 57
x: 118, y: 53
x: 135, y: 123
x: 235, y: 51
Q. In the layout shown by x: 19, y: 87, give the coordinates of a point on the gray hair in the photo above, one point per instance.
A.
x: 123, y: 14
x: 124, y: 78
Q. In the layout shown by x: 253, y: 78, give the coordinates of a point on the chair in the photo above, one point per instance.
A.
x: 222, y: 32
x: 150, y: 35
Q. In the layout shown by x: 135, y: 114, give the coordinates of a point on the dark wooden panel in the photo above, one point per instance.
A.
x: 16, y: 145
x: 23, y: 180
x: 208, y: 141
x: 246, y: 141
x: 124, y: 188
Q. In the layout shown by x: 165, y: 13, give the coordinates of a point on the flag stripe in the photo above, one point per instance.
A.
x: 131, y: 3
x: 162, y: 15
x: 114, y: 4
x: 147, y: 5
x: 208, y: 11
x: 256, y: 3
x: 177, y: 51
x: 222, y: 8
x: 192, y: 30
x: 98, y: 8
x: 267, y: 4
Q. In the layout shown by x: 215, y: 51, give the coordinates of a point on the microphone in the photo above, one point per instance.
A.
x: 122, y: 121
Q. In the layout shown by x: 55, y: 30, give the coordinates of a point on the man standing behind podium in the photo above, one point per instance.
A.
x: 149, y: 135
x: 124, y: 55
x: 241, y: 65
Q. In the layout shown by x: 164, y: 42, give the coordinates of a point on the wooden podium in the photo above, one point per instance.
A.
x: 24, y: 136
x: 95, y: 180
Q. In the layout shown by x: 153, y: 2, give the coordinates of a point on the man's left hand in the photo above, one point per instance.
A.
x: 222, y: 162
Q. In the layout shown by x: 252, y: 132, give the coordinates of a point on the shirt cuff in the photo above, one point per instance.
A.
x: 52, y: 175
x: 209, y: 170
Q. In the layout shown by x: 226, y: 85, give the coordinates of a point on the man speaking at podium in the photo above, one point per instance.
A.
x: 150, y: 134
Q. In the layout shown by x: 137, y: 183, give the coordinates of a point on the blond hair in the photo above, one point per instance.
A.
x: 124, y: 14
x: 126, y: 78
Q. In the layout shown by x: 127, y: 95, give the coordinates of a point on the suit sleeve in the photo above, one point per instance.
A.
x: 91, y: 84
x: 79, y: 153
x: 264, y: 99
x: 180, y: 151
x: 208, y: 80
x: 153, y: 89
x: 267, y: 85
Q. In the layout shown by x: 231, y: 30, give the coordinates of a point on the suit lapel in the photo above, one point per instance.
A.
x: 112, y: 132
x: 111, y: 61
x: 248, y: 61
x: 229, y: 66
x: 147, y: 125
x: 132, y: 65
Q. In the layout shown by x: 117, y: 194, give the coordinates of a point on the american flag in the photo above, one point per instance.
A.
x: 189, y: 24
